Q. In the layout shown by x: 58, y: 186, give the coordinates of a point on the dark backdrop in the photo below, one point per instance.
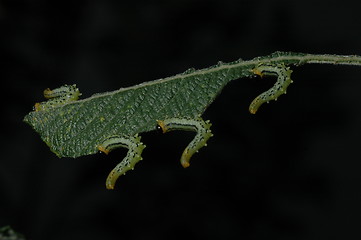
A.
x: 292, y: 171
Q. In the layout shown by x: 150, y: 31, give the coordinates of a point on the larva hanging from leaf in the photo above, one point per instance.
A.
x: 197, y: 125
x: 134, y: 155
x: 283, y: 74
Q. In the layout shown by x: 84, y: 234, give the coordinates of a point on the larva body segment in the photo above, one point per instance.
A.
x: 283, y: 74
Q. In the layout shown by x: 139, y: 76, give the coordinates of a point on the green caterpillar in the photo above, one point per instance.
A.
x: 283, y: 74
x: 110, y: 120
x: 58, y: 96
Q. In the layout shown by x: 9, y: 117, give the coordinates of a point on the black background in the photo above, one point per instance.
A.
x: 292, y: 171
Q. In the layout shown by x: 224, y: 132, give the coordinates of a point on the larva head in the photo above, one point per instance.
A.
x: 161, y: 126
x: 257, y: 72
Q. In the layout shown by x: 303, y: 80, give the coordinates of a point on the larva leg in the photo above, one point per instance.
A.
x: 58, y: 96
x: 134, y: 153
x: 283, y: 74
x: 198, y: 125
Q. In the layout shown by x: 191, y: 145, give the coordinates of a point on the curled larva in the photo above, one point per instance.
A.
x: 283, y: 74
x: 134, y: 155
x: 58, y: 96
x: 66, y: 90
x: 197, y: 125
